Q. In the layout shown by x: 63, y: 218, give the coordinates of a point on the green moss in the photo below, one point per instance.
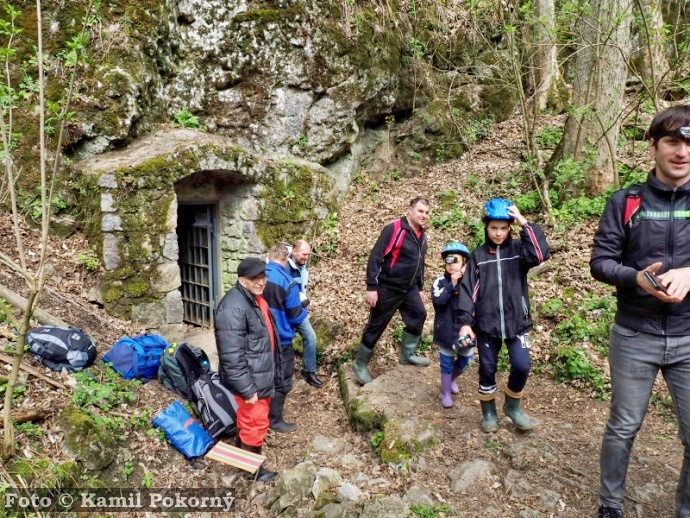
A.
x: 393, y: 448
x: 112, y: 292
x: 137, y: 286
x: 447, y: 200
x: 265, y: 16
x: 558, y: 98
x: 364, y: 419
x: 498, y: 101
x: 85, y: 439
x: 288, y: 204
x: 41, y: 472
x: 325, y: 498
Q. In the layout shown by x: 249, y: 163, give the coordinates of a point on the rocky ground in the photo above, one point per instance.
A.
x: 551, y: 471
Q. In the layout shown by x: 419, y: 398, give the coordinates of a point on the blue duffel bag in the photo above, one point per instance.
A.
x: 185, y: 434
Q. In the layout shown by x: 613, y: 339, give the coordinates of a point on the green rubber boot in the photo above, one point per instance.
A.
x: 490, y: 419
x: 408, y: 347
x: 512, y: 409
x: 359, y: 366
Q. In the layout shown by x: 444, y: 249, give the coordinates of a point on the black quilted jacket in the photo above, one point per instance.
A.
x: 247, y: 363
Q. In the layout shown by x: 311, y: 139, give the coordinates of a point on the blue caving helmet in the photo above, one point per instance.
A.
x: 497, y: 208
x: 454, y: 247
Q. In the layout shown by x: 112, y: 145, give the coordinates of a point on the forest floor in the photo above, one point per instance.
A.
x: 569, y: 417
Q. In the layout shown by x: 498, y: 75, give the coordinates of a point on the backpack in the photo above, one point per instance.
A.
x: 61, y: 347
x: 181, y: 365
x: 216, y: 405
x: 633, y: 201
x: 137, y: 357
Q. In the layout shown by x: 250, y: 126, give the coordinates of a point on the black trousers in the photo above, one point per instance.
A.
x: 411, y: 309
x: 284, y: 385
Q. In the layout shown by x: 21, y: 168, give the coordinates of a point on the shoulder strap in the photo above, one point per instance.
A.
x: 633, y: 200
x: 397, y: 227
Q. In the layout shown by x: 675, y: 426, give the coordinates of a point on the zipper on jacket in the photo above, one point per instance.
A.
x: 419, y: 258
x: 500, y: 293
x: 669, y: 254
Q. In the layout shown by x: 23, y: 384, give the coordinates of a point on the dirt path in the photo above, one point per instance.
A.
x: 553, y: 469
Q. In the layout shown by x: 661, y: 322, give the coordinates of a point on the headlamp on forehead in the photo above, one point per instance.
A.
x: 450, y: 259
x: 682, y: 132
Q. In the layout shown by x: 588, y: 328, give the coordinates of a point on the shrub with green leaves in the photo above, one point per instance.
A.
x: 471, y: 230
x: 585, y: 320
x: 7, y: 313
x: 90, y: 261
x: 549, y: 137
x: 103, y: 388
x: 477, y: 130
x: 579, y: 322
x: 429, y: 511
x: 29, y: 429
x: 571, y: 364
x: 185, y: 119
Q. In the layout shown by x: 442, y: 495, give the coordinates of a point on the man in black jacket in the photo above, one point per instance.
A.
x: 249, y: 355
x: 395, y: 281
x: 642, y: 247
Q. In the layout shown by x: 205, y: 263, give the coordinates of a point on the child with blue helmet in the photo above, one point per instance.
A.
x: 494, y: 306
x: 454, y: 356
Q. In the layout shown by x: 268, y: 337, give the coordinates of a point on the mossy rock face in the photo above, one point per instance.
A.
x: 293, y: 198
x: 41, y: 472
x: 90, y: 444
x: 399, y: 445
x: 326, y: 331
x: 325, y: 498
x: 363, y: 420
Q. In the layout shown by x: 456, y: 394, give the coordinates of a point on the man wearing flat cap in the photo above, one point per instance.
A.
x: 249, y: 355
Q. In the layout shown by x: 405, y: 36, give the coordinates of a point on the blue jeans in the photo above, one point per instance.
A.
x: 308, y: 335
x: 635, y: 360
x: 455, y: 365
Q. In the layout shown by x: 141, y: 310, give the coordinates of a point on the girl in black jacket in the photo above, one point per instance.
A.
x: 445, y: 295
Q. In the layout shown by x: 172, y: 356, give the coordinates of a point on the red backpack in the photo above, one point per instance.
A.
x: 633, y: 201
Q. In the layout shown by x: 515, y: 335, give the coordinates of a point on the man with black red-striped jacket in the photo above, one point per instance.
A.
x: 395, y: 281
x: 642, y: 247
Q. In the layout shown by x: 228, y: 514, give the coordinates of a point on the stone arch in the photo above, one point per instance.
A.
x: 134, y: 195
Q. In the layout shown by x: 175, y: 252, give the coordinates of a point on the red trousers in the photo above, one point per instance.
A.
x: 252, y: 420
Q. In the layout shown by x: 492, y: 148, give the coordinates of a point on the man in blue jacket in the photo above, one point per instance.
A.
x: 297, y: 267
x: 642, y: 247
x: 282, y: 295
x: 395, y: 281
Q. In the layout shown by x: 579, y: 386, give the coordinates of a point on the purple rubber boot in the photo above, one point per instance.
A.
x: 454, y: 386
x: 446, y: 382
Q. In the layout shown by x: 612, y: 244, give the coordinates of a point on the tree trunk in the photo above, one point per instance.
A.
x: 651, y: 62
x: 591, y: 131
x: 546, y: 71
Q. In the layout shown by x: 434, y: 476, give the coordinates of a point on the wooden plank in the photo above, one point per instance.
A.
x: 33, y: 371
x: 239, y: 458
x: 20, y: 302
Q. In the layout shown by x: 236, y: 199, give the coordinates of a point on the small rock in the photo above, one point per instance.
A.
x: 350, y: 493
x: 330, y: 445
x: 418, y: 495
x: 325, y: 477
x: 465, y: 475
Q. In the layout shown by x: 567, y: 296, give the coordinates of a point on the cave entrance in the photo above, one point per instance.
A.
x: 198, y: 269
